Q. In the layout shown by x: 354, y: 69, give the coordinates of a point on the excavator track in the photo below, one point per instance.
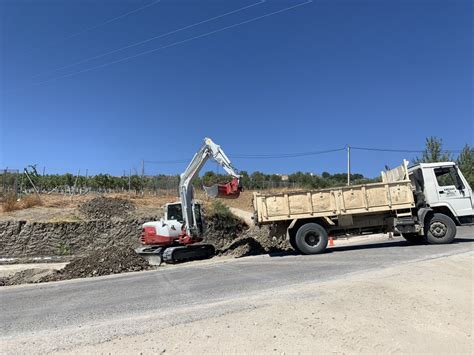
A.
x: 173, y: 255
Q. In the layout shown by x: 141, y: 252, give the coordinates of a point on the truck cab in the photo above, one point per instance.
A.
x: 443, y: 188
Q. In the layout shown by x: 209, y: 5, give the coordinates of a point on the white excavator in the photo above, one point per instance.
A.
x: 177, y: 236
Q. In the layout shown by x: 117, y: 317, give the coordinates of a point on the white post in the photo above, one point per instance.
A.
x: 348, y: 165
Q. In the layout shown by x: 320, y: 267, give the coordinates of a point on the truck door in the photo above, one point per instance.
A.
x: 453, y: 191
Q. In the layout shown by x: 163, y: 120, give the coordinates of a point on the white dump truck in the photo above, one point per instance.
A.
x: 424, y: 202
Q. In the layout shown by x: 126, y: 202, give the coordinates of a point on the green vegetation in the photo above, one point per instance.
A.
x: 219, y: 210
x: 433, y: 152
x: 256, y: 180
x: 465, y: 162
x: 220, y: 220
x: 63, y: 249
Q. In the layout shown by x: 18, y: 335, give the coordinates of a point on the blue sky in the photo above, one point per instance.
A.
x: 373, y: 73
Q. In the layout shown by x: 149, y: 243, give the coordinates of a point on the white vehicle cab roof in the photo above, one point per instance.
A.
x: 432, y: 165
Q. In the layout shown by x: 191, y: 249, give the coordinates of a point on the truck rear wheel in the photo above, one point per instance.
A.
x: 311, y: 238
x: 440, y: 229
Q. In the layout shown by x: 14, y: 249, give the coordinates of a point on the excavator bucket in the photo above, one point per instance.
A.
x: 230, y: 190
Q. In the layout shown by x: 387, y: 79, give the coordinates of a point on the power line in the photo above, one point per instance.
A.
x: 400, y: 150
x: 112, y: 19
x: 150, y: 39
x: 253, y: 156
x: 299, y: 154
x: 284, y: 155
x: 174, y: 43
x: 88, y: 29
x: 166, y: 161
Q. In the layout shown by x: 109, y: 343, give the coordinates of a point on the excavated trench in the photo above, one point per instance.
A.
x: 104, y: 244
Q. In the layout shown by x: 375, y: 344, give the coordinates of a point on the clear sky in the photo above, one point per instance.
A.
x: 368, y: 73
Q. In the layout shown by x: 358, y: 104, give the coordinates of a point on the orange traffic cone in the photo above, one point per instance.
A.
x: 331, y: 241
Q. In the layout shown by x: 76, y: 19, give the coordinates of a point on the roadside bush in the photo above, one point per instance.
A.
x: 219, y: 210
x: 220, y: 220
x: 31, y: 201
x: 10, y: 203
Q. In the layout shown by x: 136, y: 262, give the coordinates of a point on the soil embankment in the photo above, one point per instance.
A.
x: 103, y: 243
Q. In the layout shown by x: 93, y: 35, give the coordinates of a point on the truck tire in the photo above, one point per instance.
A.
x: 311, y: 238
x: 413, y: 238
x: 440, y: 229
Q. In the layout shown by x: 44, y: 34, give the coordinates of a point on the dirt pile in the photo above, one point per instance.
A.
x: 255, y: 241
x: 25, y: 276
x: 232, y: 237
x: 106, y: 208
x: 222, y: 230
x: 113, y: 260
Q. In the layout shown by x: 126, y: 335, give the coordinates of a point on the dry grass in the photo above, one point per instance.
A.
x: 31, y: 201
x: 10, y: 203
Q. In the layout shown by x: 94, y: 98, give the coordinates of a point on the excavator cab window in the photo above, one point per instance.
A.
x: 175, y: 212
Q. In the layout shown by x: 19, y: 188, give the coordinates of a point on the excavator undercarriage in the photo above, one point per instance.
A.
x: 177, y: 254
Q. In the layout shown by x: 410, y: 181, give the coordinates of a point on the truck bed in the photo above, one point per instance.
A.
x: 340, y: 201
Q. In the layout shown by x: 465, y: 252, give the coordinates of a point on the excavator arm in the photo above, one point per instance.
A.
x: 208, y: 150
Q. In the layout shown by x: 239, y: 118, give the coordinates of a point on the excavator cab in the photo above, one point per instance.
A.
x: 174, y: 212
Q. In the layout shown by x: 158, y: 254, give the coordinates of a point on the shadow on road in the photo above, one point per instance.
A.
x: 381, y: 245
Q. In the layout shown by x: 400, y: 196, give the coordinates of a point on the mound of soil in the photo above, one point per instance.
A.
x: 25, y: 276
x: 105, y: 208
x: 232, y: 237
x: 255, y: 241
x: 222, y: 229
x: 113, y: 260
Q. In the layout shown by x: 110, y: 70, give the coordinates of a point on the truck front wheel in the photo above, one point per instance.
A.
x: 311, y: 238
x: 440, y: 229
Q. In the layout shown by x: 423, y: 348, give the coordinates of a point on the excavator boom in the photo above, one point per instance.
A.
x: 208, y: 150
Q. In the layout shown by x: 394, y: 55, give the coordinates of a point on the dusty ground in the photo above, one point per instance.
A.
x: 424, y: 307
x: 63, y: 208
x: 9, y: 270
x: 59, y: 207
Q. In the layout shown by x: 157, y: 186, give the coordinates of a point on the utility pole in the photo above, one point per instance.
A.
x: 348, y: 165
x: 143, y: 176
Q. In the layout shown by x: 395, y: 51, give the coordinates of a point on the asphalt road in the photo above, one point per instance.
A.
x: 62, y: 315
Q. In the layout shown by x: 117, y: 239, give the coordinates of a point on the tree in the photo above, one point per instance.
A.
x: 465, y: 162
x: 433, y: 152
